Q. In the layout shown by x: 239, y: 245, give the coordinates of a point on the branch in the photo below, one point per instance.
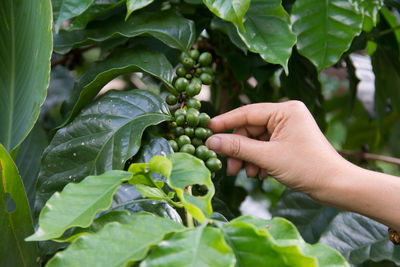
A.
x: 363, y: 156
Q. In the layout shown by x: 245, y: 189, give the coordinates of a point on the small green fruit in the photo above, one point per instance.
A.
x: 209, y: 132
x: 193, y: 103
x: 197, y: 142
x: 193, y: 88
x: 205, y: 59
x: 180, y: 120
x: 202, y: 152
x: 173, y: 145
x: 200, y: 133
x: 194, y: 54
x: 211, y: 154
x: 204, y: 119
x: 179, y: 131
x: 208, y: 70
x: 192, y: 119
x: 171, y: 99
x: 189, y: 131
x: 182, y: 57
x: 181, y: 84
x: 183, y: 140
x: 206, y: 78
x: 180, y: 111
x: 181, y: 71
x: 193, y: 110
x: 188, y: 62
x: 188, y: 148
x: 214, y: 164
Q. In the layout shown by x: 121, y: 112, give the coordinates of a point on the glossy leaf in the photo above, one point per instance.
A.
x: 77, y: 204
x: 132, y: 5
x: 66, y: 9
x: 230, y: 30
x: 96, y: 9
x: 28, y: 160
x: 283, y: 244
x: 325, y: 29
x: 126, y: 243
x: 101, y: 138
x: 359, y: 239
x: 25, y: 50
x: 393, y: 22
x: 15, y: 217
x: 124, y: 61
x: 309, y: 216
x: 200, y: 246
x: 274, y: 43
x: 229, y: 10
x: 369, y: 8
x: 188, y: 170
x: 175, y: 31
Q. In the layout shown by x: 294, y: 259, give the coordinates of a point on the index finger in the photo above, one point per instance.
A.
x: 249, y: 115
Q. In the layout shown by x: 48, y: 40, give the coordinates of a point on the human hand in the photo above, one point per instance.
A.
x: 280, y: 139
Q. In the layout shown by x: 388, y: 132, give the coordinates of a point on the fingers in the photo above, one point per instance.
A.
x: 251, y: 170
x: 241, y: 147
x: 233, y: 166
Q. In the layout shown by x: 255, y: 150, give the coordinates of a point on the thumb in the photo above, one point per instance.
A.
x: 240, y: 147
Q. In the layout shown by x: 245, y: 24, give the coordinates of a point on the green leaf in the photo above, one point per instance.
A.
x: 132, y: 5
x: 117, y: 244
x: 230, y: 30
x: 77, y: 204
x: 151, y: 192
x: 175, y: 31
x: 309, y: 216
x: 359, y: 239
x: 124, y: 61
x: 369, y: 8
x: 66, y: 9
x: 274, y: 43
x: 25, y: 66
x: 281, y: 243
x: 229, y: 10
x: 188, y: 170
x: 101, y: 138
x: 15, y: 217
x: 96, y: 9
x: 325, y: 29
x: 161, y: 165
x: 200, y: 246
x: 28, y: 160
x: 393, y: 22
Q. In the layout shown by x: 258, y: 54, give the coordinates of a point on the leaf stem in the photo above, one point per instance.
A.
x: 363, y: 156
x: 387, y: 31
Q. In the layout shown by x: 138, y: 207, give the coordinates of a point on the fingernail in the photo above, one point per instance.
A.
x: 214, y: 143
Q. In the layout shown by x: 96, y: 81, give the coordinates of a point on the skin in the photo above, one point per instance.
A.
x: 284, y: 141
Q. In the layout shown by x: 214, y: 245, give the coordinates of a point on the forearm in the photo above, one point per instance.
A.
x: 370, y: 193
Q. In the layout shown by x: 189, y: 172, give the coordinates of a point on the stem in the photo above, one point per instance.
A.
x: 189, y: 217
x: 363, y: 156
x: 382, y: 33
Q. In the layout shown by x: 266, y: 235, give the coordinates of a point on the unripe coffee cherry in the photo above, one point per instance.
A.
x: 204, y: 119
x: 189, y: 131
x: 193, y: 103
x: 205, y: 59
x: 171, y: 99
x: 214, y: 164
x: 208, y: 70
x: 194, y: 54
x: 173, y: 145
x: 209, y: 132
x: 197, y: 142
x: 206, y: 78
x: 180, y: 111
x: 188, y: 148
x: 180, y: 120
x: 181, y: 84
x: 202, y: 152
x: 179, y: 131
x: 192, y: 119
x: 181, y: 71
x: 200, y: 133
x: 183, y: 140
x: 188, y: 62
x: 211, y: 154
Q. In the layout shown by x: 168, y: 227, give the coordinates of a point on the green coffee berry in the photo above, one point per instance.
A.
x: 181, y: 84
x: 205, y: 59
x: 193, y: 110
x: 182, y: 57
x: 183, y: 140
x: 211, y: 154
x: 180, y: 111
x: 173, y: 145
x: 188, y: 148
x: 202, y: 152
x: 193, y: 103
x: 179, y: 131
x: 189, y: 131
x: 200, y: 133
x: 206, y: 78
x: 197, y: 142
x: 171, y: 99
x: 192, y: 119
x: 214, y: 164
x: 180, y: 120
x: 208, y: 70
x: 209, y: 132
x: 181, y: 71
x: 188, y: 76
x: 204, y: 119
x: 194, y: 54
x: 188, y: 62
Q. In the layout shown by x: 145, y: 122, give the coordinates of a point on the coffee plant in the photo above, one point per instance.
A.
x: 104, y: 113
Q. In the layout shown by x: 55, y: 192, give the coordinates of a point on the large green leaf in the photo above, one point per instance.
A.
x: 359, y: 239
x: 200, y: 246
x: 116, y: 244
x: 230, y: 30
x: 132, y: 5
x: 175, y: 31
x: 188, y: 170
x: 369, y: 8
x: 15, y: 217
x: 97, y: 8
x: 66, y: 9
x: 135, y: 59
x: 28, y: 160
x: 77, y: 204
x: 101, y: 138
x: 325, y: 29
x: 229, y: 10
x: 309, y: 216
x: 25, y: 50
x: 276, y: 242
x: 274, y: 43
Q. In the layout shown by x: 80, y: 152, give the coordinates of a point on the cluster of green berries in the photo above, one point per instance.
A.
x: 189, y: 129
